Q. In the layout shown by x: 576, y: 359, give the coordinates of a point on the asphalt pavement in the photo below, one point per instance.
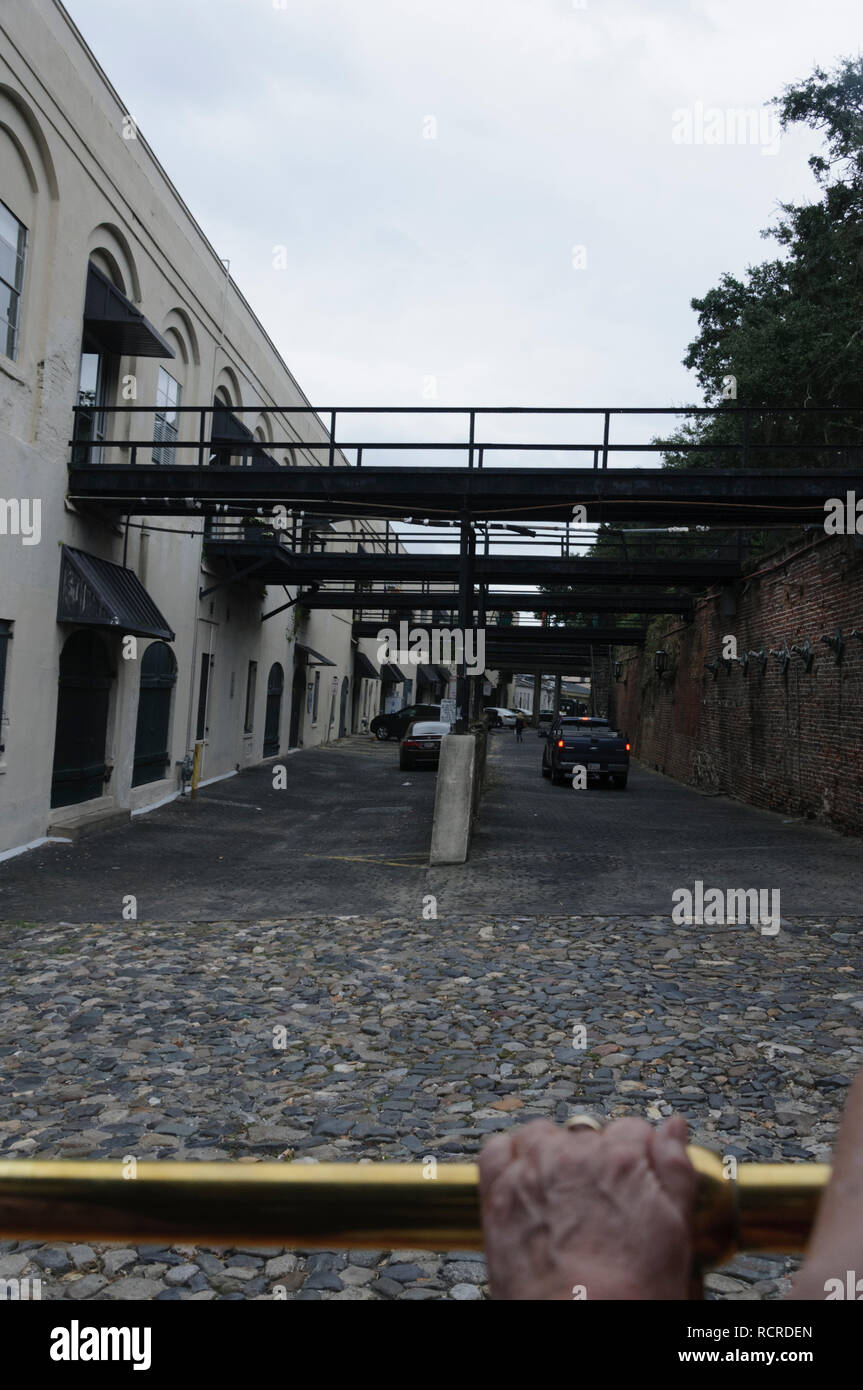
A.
x: 350, y: 835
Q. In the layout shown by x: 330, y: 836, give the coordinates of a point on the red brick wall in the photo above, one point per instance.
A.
x: 791, y: 743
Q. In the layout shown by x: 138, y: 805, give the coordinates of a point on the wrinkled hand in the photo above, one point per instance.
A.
x: 836, y: 1246
x: 604, y: 1211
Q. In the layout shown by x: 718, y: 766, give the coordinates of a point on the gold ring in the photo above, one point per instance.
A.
x: 582, y: 1122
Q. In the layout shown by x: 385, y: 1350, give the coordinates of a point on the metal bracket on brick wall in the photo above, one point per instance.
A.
x: 783, y: 655
x: 806, y: 654
x: 743, y: 662
x: 712, y: 666
x: 760, y: 657
x: 836, y: 643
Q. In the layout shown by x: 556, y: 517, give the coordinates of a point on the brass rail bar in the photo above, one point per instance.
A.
x: 356, y: 1205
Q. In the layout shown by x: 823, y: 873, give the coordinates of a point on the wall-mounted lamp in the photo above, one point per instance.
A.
x: 618, y: 670
x: 836, y: 643
x: 660, y: 662
x: 806, y: 654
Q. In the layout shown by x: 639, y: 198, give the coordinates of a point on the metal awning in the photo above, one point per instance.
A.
x: 428, y: 673
x: 391, y: 673
x: 116, y: 324
x: 97, y: 593
x: 364, y: 667
x: 310, y: 652
x: 444, y: 673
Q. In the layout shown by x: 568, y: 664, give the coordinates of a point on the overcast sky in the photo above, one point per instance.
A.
x: 452, y: 257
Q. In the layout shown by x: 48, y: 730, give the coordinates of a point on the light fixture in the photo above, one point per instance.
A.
x: 660, y: 662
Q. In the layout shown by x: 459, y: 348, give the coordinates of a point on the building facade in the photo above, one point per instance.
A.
x: 121, y: 645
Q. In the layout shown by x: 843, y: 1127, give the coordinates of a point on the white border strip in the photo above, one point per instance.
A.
x: 35, y: 844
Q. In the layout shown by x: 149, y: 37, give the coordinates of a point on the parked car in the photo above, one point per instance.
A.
x: 544, y: 723
x: 575, y: 741
x: 499, y: 718
x: 421, y: 743
x: 385, y: 726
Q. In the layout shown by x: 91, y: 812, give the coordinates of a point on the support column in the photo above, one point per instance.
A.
x: 537, y: 697
x: 465, y: 620
x: 557, y: 681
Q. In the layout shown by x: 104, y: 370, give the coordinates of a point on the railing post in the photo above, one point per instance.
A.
x: 332, y: 439
x: 202, y: 436
x: 471, y: 437
x: 605, y: 433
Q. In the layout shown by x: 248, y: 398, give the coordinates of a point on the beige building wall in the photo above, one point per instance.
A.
x: 87, y: 187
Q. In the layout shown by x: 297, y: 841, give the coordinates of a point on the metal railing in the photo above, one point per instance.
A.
x: 209, y: 449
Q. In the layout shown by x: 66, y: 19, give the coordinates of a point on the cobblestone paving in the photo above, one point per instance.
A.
x: 405, y: 1039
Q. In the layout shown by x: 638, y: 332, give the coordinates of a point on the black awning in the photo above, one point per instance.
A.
x: 391, y: 673
x: 444, y: 674
x: 429, y: 674
x: 364, y: 667
x: 229, y: 429
x: 116, y: 324
x: 310, y: 652
x: 98, y: 593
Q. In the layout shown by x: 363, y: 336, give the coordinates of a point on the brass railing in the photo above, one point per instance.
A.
x: 429, y: 1205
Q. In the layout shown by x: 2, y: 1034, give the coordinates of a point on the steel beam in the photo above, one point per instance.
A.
x: 731, y: 497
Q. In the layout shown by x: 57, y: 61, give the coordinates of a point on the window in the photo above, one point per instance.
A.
x: 5, y: 635
x: 251, y: 683
x: 168, y: 394
x: 13, y: 246
x: 91, y: 421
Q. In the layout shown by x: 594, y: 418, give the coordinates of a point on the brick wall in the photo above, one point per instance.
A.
x: 791, y: 742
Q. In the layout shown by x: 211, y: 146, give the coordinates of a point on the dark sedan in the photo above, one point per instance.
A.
x: 385, y: 726
x: 421, y: 743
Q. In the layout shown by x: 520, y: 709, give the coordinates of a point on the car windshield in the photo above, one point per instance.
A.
x: 428, y: 727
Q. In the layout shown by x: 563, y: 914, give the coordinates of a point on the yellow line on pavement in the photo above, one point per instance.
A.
x: 367, y: 859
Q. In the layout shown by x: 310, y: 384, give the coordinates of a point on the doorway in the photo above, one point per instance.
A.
x: 343, y: 711
x: 298, y: 696
x: 158, y: 678
x: 273, y: 724
x: 82, y: 720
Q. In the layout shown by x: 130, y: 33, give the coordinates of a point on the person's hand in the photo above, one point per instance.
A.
x: 580, y: 1213
x: 836, y: 1245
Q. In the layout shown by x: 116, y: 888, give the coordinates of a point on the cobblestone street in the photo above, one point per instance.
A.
x: 405, y: 1038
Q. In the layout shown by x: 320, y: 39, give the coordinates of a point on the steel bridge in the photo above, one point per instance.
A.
x: 273, y: 508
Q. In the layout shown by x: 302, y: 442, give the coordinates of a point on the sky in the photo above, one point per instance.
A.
x: 480, y: 201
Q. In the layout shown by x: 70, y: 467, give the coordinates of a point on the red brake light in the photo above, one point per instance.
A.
x: 627, y: 748
x: 411, y: 743
x: 561, y: 743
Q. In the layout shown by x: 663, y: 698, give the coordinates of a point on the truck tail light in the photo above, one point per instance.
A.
x: 561, y: 743
x: 627, y: 748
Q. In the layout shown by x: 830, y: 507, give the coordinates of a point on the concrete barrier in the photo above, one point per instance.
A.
x: 454, y: 800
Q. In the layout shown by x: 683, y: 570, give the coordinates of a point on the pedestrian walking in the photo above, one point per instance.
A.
x: 519, y: 728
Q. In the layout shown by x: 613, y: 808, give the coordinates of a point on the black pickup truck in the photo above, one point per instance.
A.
x: 580, y: 741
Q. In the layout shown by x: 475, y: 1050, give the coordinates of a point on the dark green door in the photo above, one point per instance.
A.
x: 158, y: 678
x: 275, y: 690
x: 82, y: 720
